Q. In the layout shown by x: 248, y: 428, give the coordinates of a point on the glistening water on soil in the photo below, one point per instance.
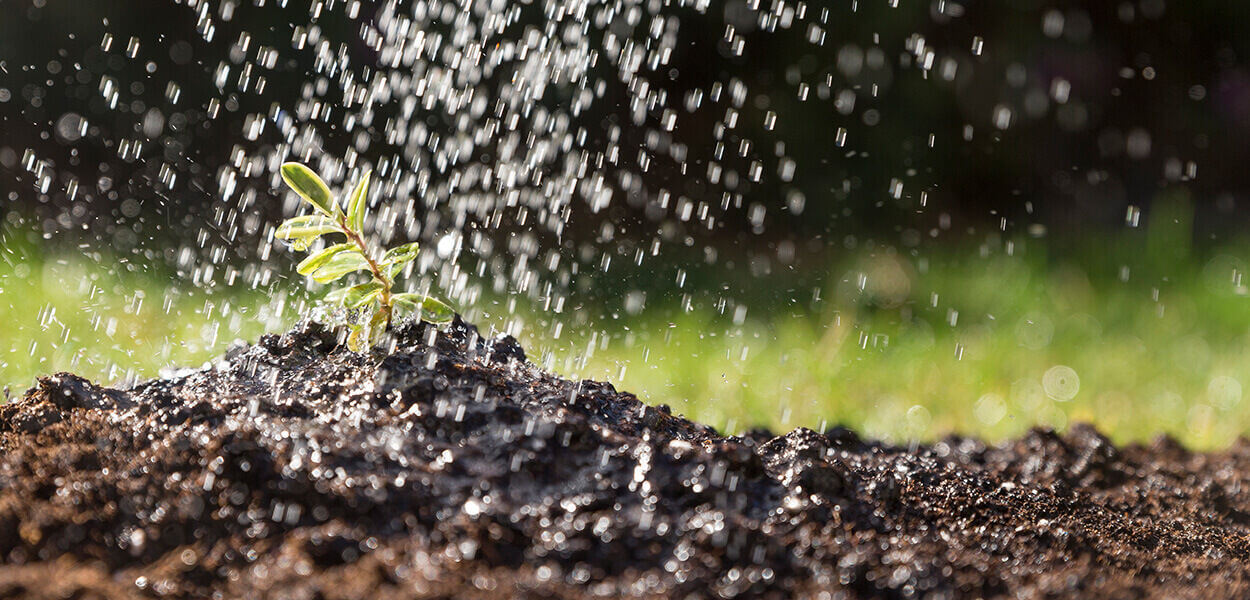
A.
x: 444, y: 464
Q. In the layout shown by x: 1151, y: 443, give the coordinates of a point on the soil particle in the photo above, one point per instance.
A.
x: 446, y: 465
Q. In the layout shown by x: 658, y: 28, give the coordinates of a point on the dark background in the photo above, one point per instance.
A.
x: 1157, y: 89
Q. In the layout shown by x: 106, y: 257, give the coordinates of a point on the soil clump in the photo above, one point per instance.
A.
x: 450, y: 466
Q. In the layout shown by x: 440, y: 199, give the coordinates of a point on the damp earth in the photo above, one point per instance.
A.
x: 445, y: 464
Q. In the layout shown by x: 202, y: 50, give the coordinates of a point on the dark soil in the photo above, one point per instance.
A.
x: 454, y: 468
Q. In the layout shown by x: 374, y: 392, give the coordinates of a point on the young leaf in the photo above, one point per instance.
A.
x: 428, y: 308
x: 335, y: 297
x: 304, y: 227
x: 310, y: 187
x: 401, y: 254
x: 363, y: 335
x: 301, y: 244
x: 394, y: 269
x: 356, y: 203
x: 313, y: 262
x: 378, y: 323
x: 374, y: 300
x: 356, y: 341
x: 339, y: 265
x: 359, y: 295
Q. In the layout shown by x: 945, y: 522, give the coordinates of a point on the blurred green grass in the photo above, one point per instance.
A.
x: 896, y: 345
x: 110, y: 320
x: 981, y: 346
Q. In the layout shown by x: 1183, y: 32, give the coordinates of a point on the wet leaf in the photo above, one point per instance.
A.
x: 302, y: 244
x: 357, y: 339
x: 429, y: 309
x: 393, y: 270
x: 357, y: 202
x: 364, y: 335
x: 307, y: 226
x: 310, y: 187
x: 401, y: 254
x: 315, y: 261
x: 335, y: 296
x: 378, y: 323
x: 359, y: 295
x: 339, y: 265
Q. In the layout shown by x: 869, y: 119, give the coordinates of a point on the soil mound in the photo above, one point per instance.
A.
x: 451, y: 467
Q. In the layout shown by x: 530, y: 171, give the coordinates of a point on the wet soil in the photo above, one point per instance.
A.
x: 452, y: 467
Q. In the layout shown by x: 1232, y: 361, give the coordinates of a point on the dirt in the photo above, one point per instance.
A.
x: 452, y: 467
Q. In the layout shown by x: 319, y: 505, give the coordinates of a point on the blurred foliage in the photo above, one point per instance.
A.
x: 66, y: 313
x: 973, y: 341
x: 970, y: 353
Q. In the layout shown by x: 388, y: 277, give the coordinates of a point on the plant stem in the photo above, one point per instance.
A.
x: 378, y: 274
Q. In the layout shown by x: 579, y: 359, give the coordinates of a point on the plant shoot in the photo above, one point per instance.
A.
x: 374, y: 304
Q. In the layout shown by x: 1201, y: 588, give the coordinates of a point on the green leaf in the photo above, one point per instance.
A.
x: 395, y: 258
x: 359, y: 295
x: 335, y: 297
x: 339, y: 265
x: 307, y: 226
x: 359, y: 336
x: 401, y: 254
x: 393, y: 270
x: 429, y: 309
x: 363, y: 336
x: 313, y: 262
x: 302, y: 244
x: 310, y: 187
x: 378, y: 323
x: 357, y: 202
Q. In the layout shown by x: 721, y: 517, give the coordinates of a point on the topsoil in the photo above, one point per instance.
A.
x: 452, y: 467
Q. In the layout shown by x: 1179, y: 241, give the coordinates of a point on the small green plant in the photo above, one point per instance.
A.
x: 374, y: 304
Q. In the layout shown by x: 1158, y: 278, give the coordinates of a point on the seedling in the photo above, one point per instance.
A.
x: 374, y: 304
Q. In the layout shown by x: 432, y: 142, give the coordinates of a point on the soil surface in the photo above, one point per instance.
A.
x: 452, y: 467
